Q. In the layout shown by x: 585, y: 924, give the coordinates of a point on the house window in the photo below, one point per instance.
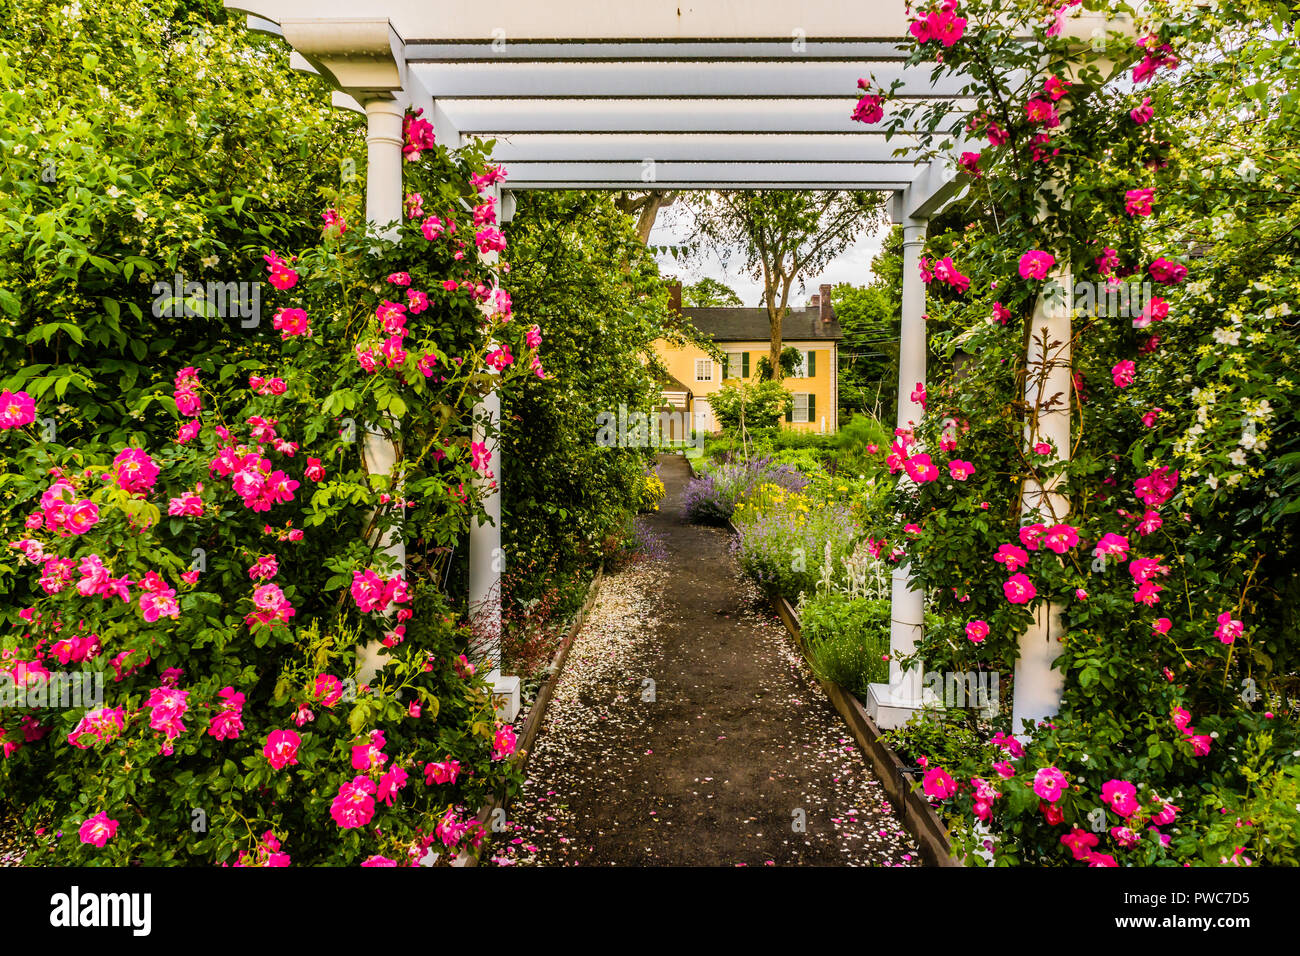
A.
x: 807, y: 367
x: 704, y: 370
x: 805, y: 408
x: 737, y: 365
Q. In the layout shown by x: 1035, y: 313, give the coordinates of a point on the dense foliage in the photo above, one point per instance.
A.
x: 212, y: 655
x: 578, y: 269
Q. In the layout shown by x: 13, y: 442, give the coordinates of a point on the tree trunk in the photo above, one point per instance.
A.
x: 775, y: 318
x: 647, y: 208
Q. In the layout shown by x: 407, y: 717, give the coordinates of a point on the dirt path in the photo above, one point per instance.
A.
x: 719, y: 759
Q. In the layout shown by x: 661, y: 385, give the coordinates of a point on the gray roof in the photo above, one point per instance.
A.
x: 730, y: 324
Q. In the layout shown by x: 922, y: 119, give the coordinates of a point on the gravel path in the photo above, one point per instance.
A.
x: 731, y: 756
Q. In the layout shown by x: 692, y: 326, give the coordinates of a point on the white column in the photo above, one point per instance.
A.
x: 891, y: 705
x: 486, y: 559
x: 486, y: 556
x: 1048, y: 393
x: 383, y: 207
x: 384, y: 163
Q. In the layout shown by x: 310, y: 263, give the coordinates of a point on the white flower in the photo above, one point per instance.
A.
x: 1213, y: 482
x: 1238, y: 458
x: 113, y: 192
x: 210, y: 262
x: 139, y: 215
x: 1226, y: 336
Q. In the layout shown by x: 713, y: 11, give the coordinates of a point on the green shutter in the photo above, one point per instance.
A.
x: 744, y: 365
x: 812, y: 364
x: 789, y: 415
x: 812, y: 405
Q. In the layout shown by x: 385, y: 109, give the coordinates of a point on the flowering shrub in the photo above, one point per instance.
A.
x: 848, y: 640
x: 238, y: 723
x: 652, y: 492
x: 1173, y: 567
x: 783, y: 536
x: 713, y: 497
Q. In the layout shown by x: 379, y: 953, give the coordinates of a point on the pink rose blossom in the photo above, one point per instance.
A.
x: 97, y: 830
x: 281, y: 748
x: 1036, y: 264
x: 1049, y: 783
x: 1019, y: 589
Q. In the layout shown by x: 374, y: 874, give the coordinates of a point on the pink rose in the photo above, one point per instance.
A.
x: 281, y: 748
x: 1036, y: 264
x: 98, y: 830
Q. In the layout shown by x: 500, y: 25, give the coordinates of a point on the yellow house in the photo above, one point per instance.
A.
x: 743, y: 336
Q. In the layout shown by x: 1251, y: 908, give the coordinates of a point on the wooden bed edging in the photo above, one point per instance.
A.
x: 915, y: 811
x: 533, y: 725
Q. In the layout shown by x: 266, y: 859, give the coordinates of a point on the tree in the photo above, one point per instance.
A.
x: 710, y: 293
x: 645, y: 206
x: 782, y: 236
x: 791, y: 357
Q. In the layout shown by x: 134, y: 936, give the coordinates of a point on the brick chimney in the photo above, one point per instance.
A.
x: 674, y: 296
x: 814, y: 303
x: 824, y: 302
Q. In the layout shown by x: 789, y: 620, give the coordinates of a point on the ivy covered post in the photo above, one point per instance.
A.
x: 892, y: 704
x: 1049, y: 393
x: 486, y: 556
x: 1048, y: 399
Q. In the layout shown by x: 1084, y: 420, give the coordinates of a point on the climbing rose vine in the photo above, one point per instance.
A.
x: 212, y: 596
x: 1170, y: 556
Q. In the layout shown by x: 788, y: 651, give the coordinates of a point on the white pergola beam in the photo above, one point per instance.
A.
x: 936, y: 183
x: 523, y: 20
x: 705, y: 147
x: 638, y: 175
x: 504, y: 116
x: 786, y: 79
x: 625, y: 51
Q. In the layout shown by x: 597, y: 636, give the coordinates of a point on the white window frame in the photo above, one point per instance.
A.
x: 795, y: 412
x: 801, y: 370
x: 705, y: 364
x: 731, y: 368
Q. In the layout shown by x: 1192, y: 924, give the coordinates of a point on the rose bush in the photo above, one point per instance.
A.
x: 226, y: 584
x: 1174, y: 567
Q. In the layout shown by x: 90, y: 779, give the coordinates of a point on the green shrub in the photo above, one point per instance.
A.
x: 848, y: 640
x: 760, y: 405
x: 849, y: 447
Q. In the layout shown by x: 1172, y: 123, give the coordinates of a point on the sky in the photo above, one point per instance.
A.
x: 852, y: 265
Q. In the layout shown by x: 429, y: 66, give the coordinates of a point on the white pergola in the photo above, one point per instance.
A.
x: 651, y: 94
